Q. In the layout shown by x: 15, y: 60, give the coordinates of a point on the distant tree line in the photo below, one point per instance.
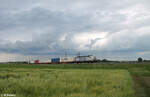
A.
x: 141, y: 60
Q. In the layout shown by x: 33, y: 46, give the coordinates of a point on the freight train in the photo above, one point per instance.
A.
x: 77, y: 59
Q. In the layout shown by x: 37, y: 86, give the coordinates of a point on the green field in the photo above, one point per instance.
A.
x: 66, y: 83
x: 75, y: 80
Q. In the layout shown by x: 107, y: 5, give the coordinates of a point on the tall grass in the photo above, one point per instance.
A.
x: 66, y: 83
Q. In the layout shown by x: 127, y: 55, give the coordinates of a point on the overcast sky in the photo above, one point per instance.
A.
x: 110, y: 29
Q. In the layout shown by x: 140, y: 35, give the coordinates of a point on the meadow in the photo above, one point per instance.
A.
x: 75, y: 80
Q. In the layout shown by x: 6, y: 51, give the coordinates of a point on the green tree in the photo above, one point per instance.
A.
x: 140, y: 59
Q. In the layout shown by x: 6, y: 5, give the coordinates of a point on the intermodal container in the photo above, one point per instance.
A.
x: 55, y: 60
x: 36, y: 62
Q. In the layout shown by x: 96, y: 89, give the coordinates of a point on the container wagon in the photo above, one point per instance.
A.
x: 55, y: 60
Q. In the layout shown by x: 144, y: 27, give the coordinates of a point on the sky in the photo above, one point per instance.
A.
x: 112, y: 29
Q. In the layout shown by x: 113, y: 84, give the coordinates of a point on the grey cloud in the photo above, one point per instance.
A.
x: 92, y: 42
x: 42, y: 18
x: 51, y: 24
x: 39, y: 25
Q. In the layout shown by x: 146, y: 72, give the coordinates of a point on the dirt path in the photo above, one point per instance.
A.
x: 142, y: 86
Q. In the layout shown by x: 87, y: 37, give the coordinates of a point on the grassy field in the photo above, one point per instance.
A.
x: 66, y: 83
x: 76, y: 80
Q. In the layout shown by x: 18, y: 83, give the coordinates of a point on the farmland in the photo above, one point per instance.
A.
x: 76, y: 80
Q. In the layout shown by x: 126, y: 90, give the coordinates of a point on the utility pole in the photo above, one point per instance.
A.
x: 65, y: 53
x: 78, y: 54
x: 28, y: 58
